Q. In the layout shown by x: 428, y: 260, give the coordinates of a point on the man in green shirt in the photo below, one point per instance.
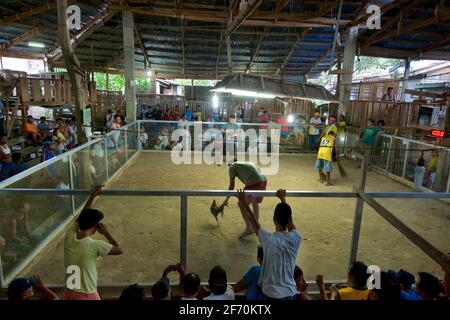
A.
x: 368, y: 138
x: 253, y: 179
x: 81, y: 252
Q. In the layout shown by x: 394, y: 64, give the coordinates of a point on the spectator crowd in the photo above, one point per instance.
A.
x: 275, y: 276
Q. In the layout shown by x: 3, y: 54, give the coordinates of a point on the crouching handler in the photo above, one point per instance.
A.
x: 253, y: 179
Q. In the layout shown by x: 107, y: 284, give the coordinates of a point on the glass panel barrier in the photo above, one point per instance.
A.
x: 134, y: 139
x: 88, y: 169
x: 28, y: 222
x: 116, y: 150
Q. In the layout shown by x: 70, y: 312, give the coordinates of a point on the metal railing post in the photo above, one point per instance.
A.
x: 388, y: 160
x: 2, y: 279
x: 126, y: 144
x: 183, y: 231
x: 106, y: 159
x: 405, y: 164
x: 358, y: 213
x: 72, y: 197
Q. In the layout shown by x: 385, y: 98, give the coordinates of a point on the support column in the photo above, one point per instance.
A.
x: 128, y: 53
x: 153, y: 82
x: 348, y: 63
x: 401, y: 97
x: 228, y: 41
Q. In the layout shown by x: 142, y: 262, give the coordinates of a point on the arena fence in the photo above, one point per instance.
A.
x: 66, y: 180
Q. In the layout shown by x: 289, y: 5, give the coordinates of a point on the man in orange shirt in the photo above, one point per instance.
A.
x: 31, y: 132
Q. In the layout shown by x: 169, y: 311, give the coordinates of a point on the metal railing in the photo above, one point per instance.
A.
x: 107, y: 157
x: 361, y: 197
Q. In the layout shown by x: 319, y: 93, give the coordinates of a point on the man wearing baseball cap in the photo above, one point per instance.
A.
x: 23, y: 289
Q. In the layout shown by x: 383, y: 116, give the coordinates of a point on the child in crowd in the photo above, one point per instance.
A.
x: 251, y: 278
x: 357, y: 278
x: 143, y: 138
x: 133, y: 292
x: 301, y: 284
x: 389, y: 289
x: 407, y: 284
x: 60, y: 141
x: 21, y: 289
x: 429, y: 286
x: 220, y: 290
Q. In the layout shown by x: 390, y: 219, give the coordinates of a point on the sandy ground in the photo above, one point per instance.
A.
x: 148, y: 227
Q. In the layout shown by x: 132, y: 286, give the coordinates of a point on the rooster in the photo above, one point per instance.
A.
x: 215, y: 210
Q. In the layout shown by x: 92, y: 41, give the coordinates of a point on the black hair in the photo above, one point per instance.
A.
x: 390, y: 88
x: 59, y: 119
x: 282, y: 214
x: 381, y: 122
x: 232, y: 116
x: 117, y: 116
x: 89, y: 218
x: 389, y: 288
x: 358, y: 270
x: 160, y: 290
x: 297, y: 272
x: 421, y: 162
x: 429, y: 284
x: 191, y: 283
x: 133, y: 292
x: 218, y: 280
x: 260, y: 253
x: 371, y: 120
x: 16, y: 156
x: 43, y: 118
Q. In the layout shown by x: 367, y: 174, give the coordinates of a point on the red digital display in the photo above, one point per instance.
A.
x: 438, y: 133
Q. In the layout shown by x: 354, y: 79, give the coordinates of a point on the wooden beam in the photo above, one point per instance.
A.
x: 288, y: 56
x: 219, y: 49
x: 381, y: 34
x: 244, y: 12
x: 280, y: 4
x: 115, y: 59
x: 321, y: 10
x: 444, y: 42
x: 25, y: 36
x: 48, y: 5
x: 182, y: 46
x: 87, y: 30
x: 373, y: 51
x: 230, y: 64
x: 280, y: 19
x: 142, y: 45
x: 21, y: 54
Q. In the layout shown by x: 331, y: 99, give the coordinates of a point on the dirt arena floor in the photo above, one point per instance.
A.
x: 148, y: 227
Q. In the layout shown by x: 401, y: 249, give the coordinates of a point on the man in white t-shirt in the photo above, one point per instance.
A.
x: 217, y: 282
x: 314, y: 131
x: 280, y: 250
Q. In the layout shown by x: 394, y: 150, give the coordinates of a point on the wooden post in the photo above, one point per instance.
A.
x: 129, y: 65
x: 347, y: 66
x: 107, y: 81
x: 73, y: 68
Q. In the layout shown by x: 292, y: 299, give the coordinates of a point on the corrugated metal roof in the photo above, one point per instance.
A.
x: 279, y: 51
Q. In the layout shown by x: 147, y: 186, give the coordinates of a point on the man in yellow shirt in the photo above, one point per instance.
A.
x: 81, y: 252
x: 328, y: 143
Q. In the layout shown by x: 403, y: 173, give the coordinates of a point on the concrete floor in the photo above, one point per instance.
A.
x: 148, y: 227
